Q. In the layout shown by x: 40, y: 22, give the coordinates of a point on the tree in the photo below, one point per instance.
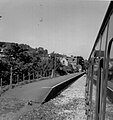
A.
x: 86, y: 64
x: 41, y: 52
x: 69, y: 68
x: 80, y: 60
x: 25, y: 60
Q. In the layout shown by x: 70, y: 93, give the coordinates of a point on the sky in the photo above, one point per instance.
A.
x: 64, y: 26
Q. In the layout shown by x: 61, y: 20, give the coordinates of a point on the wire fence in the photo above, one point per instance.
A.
x: 22, y: 79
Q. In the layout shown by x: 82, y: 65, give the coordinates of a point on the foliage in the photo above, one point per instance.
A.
x: 80, y: 60
x: 30, y: 62
x: 86, y: 64
x: 56, y: 65
x: 26, y: 62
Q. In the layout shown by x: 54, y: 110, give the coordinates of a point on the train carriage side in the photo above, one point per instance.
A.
x: 99, y: 82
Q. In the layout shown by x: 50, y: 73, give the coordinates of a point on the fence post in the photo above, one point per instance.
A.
x: 1, y: 83
x: 52, y: 74
x: 37, y: 75
x: 29, y: 76
x: 23, y: 77
x: 17, y: 79
x: 11, y: 77
x: 33, y: 75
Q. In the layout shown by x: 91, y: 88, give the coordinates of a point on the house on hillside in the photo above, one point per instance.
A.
x: 64, y: 61
x: 67, y: 61
x: 72, y: 61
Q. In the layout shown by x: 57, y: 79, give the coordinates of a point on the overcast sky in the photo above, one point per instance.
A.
x: 64, y: 26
